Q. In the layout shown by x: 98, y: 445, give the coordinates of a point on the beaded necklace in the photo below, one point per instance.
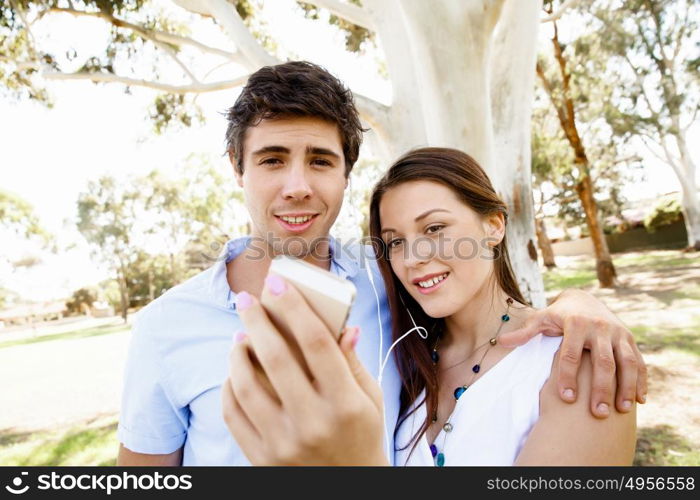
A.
x: 439, y: 456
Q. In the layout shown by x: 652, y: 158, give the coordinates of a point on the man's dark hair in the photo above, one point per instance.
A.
x: 296, y: 88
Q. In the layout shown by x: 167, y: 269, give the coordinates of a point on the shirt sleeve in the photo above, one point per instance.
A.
x: 149, y: 422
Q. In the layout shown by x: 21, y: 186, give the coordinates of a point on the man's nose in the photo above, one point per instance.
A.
x: 296, y: 185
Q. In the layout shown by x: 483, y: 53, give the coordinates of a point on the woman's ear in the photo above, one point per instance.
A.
x: 495, y: 226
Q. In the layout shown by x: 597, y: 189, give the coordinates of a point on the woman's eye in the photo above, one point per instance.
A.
x: 434, y: 228
x: 393, y: 243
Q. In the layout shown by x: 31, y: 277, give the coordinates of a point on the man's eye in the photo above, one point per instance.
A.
x: 271, y: 161
x: 321, y: 162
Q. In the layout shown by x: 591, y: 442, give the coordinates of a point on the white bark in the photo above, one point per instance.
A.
x: 513, y: 83
x: 225, y: 14
x: 352, y: 13
x: 199, y: 88
x: 462, y: 74
x: 560, y: 11
x: 151, y: 34
x: 691, y: 200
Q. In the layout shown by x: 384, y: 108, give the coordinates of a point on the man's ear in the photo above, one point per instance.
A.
x: 236, y: 173
x: 495, y: 226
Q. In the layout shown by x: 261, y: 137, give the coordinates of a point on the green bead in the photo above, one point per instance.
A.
x: 441, y: 460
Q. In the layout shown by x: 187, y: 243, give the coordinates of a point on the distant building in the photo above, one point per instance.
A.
x: 31, y: 313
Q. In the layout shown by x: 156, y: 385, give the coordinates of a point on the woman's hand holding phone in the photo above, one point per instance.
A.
x: 298, y: 396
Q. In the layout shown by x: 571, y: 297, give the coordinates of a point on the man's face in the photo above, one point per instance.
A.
x: 293, y: 179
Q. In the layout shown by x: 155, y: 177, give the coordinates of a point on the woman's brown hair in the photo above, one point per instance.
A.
x: 463, y: 175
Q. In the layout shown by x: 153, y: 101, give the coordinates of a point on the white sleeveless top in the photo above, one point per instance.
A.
x: 491, y: 419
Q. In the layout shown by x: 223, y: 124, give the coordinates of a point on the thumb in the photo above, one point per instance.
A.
x: 364, y: 379
x: 520, y: 336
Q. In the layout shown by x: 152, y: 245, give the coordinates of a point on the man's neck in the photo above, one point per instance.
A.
x: 248, y: 270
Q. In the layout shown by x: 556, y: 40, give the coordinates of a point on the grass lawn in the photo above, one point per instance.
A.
x: 580, y: 273
x: 76, y: 334
x: 659, y: 300
x: 94, y: 443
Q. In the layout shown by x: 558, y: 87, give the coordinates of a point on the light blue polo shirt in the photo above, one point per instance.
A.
x: 178, y: 359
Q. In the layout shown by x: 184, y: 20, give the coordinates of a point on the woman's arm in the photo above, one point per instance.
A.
x: 568, y: 434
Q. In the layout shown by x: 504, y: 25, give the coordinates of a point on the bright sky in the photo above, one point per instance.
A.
x: 48, y: 155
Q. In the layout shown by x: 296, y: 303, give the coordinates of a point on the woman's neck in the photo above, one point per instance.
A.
x: 479, y: 320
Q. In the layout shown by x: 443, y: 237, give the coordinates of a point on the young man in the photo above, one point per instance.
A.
x: 293, y: 138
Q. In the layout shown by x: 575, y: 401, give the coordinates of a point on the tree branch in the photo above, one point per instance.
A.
x: 225, y: 14
x: 640, y: 82
x: 153, y: 35
x: 193, y: 88
x: 374, y: 113
x: 352, y: 13
x: 561, y: 114
x: 692, y: 119
x: 559, y: 12
x: 23, y: 17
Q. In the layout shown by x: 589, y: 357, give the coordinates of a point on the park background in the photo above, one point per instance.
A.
x: 114, y: 186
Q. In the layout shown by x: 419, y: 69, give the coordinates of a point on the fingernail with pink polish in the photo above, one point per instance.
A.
x: 275, y: 284
x: 239, y: 337
x: 243, y: 301
x: 569, y: 393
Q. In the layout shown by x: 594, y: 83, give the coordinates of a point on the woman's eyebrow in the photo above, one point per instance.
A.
x: 421, y: 216
x: 428, y: 212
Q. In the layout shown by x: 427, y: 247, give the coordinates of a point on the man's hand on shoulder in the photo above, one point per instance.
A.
x: 587, y: 324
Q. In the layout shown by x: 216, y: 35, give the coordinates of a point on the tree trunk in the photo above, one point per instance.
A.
x: 123, y: 293
x: 477, y: 96
x: 691, y: 214
x: 564, y: 106
x: 544, y: 243
x: 604, y: 265
x: 691, y: 200
x: 151, y: 286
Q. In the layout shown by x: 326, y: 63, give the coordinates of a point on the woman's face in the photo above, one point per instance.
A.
x: 439, y: 247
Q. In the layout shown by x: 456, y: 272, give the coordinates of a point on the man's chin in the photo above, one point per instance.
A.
x: 300, y: 245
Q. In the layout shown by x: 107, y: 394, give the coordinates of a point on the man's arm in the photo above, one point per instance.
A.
x: 128, y: 458
x: 587, y: 324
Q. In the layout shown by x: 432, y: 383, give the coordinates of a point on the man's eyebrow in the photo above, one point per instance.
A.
x: 421, y: 216
x: 311, y: 150
x: 271, y: 149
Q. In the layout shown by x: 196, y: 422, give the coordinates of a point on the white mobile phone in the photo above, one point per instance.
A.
x: 328, y: 295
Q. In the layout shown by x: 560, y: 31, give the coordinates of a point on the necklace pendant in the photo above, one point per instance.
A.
x: 459, y: 391
x: 433, y: 450
x: 440, y: 460
x: 476, y: 368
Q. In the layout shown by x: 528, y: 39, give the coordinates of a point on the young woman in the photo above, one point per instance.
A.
x: 466, y: 400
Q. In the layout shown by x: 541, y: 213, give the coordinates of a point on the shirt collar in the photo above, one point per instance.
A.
x: 342, y: 263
